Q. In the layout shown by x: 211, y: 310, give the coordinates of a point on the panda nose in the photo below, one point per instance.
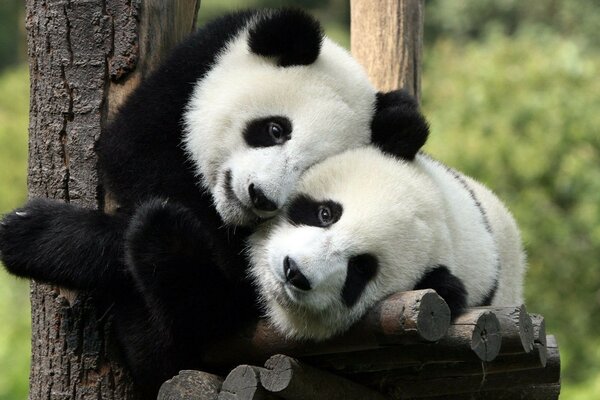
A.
x: 259, y: 200
x: 293, y: 275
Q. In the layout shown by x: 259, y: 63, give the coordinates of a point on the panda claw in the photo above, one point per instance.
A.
x: 21, y: 214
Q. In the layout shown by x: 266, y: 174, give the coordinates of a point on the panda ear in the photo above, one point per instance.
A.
x: 398, y: 127
x: 292, y: 36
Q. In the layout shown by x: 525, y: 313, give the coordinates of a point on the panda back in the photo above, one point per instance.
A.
x: 506, y: 234
x: 471, y: 252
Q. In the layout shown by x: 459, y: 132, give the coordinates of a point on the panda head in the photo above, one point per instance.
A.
x: 352, y: 234
x: 279, y: 98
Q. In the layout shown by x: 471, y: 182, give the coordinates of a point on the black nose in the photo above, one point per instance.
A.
x: 293, y: 275
x: 259, y: 200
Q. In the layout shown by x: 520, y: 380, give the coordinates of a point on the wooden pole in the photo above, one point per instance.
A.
x: 387, y: 39
x: 85, y: 56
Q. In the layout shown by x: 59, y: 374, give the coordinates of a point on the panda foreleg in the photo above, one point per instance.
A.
x: 170, y: 254
x: 63, y: 244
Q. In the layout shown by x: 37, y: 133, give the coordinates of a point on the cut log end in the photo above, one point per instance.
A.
x: 242, y: 383
x: 276, y: 382
x: 486, y: 338
x: 191, y: 384
x: 526, y: 329
x: 434, y: 317
x: 539, y: 329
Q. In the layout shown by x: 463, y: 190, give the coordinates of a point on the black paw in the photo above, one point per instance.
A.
x: 398, y: 127
x: 22, y: 230
x: 161, y: 235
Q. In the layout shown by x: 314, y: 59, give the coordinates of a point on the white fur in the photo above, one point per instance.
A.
x: 330, y: 104
x: 411, y: 216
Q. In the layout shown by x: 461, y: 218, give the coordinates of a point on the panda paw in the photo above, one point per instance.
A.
x: 21, y: 229
x: 162, y: 236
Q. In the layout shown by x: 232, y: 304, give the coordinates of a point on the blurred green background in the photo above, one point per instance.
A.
x: 512, y: 91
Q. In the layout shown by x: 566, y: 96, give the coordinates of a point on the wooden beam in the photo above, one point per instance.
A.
x: 403, y: 318
x: 291, y: 379
x: 387, y: 39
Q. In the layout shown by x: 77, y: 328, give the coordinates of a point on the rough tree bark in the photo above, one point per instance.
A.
x: 85, y: 57
x: 387, y: 39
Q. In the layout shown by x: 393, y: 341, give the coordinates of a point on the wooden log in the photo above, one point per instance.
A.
x: 516, y: 328
x: 478, y: 329
x: 403, y: 318
x: 532, y: 392
x: 387, y: 39
x: 243, y: 383
x: 474, y: 336
x: 420, y: 314
x: 432, y: 370
x: 191, y: 385
x: 293, y: 380
x: 406, y: 386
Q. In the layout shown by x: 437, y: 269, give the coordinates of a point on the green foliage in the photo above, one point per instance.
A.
x: 473, y: 19
x: 11, y: 32
x: 14, y: 295
x: 521, y: 114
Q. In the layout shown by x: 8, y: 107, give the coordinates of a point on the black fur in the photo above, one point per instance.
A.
x: 173, y: 274
x: 291, y: 36
x: 361, y: 270
x: 64, y: 244
x: 448, y: 286
x: 398, y: 127
x: 304, y: 210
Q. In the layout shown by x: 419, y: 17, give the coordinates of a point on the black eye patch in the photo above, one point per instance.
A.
x: 361, y: 270
x: 304, y: 210
x: 268, y: 131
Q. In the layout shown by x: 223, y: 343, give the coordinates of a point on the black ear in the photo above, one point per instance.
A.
x: 398, y: 127
x: 292, y: 36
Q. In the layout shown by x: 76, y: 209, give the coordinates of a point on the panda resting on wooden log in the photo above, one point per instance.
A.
x: 363, y: 225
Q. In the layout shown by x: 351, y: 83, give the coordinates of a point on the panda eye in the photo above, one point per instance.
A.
x: 276, y: 131
x: 267, y: 132
x: 304, y: 210
x: 325, y: 216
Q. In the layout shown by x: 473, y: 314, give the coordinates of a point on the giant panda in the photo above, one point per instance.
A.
x: 363, y: 225
x: 208, y: 145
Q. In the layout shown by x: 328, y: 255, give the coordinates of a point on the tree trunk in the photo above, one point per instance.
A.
x: 85, y: 57
x: 387, y: 39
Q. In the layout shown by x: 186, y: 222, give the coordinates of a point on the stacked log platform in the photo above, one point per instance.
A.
x: 407, y: 347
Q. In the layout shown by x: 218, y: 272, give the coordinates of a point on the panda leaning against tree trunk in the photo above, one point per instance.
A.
x: 210, y: 143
